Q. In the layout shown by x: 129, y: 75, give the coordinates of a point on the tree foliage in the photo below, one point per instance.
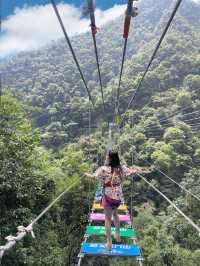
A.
x: 46, y: 145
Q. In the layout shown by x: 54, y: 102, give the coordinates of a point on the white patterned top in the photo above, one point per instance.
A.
x: 112, y: 184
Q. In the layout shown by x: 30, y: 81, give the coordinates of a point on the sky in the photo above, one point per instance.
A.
x: 9, y: 6
x: 31, y: 24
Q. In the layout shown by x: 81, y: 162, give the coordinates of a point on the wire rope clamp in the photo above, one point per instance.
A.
x: 81, y: 255
x: 131, y: 11
x: 94, y: 29
x: 86, y: 236
x: 28, y: 229
x: 140, y: 258
x: 134, y: 12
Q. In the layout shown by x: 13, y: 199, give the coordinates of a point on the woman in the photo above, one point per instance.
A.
x: 111, y: 176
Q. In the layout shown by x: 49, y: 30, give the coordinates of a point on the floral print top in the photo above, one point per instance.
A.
x: 112, y: 186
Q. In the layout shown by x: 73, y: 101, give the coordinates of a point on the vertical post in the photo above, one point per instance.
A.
x: 81, y: 256
x: 89, y: 121
x: 140, y: 262
x: 120, y: 149
x: 110, y: 137
x: 132, y: 161
x: 132, y: 199
x: 89, y: 131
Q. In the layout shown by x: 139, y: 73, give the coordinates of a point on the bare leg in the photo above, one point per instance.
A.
x: 108, y: 216
x: 117, y: 225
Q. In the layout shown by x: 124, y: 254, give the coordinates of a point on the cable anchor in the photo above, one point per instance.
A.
x: 131, y: 11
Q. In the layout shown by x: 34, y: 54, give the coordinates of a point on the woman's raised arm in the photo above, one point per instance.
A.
x: 130, y: 171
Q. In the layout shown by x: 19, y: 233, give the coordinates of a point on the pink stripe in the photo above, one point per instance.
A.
x: 101, y: 217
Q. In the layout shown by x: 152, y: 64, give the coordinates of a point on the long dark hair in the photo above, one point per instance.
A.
x: 114, y: 161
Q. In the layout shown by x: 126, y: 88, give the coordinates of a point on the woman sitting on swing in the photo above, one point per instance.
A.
x: 111, y: 176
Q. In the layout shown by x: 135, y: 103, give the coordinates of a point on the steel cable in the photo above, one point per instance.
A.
x: 71, y: 49
x: 153, y: 56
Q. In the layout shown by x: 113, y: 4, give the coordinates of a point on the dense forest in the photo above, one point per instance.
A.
x: 45, y: 144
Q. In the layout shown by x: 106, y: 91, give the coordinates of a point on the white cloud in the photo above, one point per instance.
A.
x: 32, y: 27
x: 196, y: 1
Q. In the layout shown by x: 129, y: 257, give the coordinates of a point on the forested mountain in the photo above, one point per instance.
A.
x: 47, y: 154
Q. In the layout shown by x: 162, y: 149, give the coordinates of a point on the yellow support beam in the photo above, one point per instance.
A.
x: 98, y: 206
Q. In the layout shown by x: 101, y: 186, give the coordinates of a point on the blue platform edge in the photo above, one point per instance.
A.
x: 117, y: 250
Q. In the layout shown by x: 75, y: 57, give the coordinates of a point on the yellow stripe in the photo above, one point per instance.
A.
x: 122, y: 207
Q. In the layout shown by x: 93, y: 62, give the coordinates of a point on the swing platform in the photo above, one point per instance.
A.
x: 100, y: 230
x: 101, y: 217
x: 129, y: 249
x: 98, y: 206
x: 100, y: 249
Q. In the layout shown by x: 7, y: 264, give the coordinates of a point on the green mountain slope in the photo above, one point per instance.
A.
x: 48, y: 78
x: 48, y: 81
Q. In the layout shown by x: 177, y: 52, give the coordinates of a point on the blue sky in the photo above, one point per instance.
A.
x: 31, y: 24
x: 8, y: 6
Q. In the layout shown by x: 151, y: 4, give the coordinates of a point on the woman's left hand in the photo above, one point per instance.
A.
x: 135, y: 170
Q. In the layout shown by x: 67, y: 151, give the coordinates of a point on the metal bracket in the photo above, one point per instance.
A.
x: 134, y: 12
x: 86, y: 236
x: 140, y: 258
x: 134, y: 240
x: 81, y: 255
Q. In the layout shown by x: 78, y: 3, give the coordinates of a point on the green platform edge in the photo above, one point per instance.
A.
x: 100, y: 230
